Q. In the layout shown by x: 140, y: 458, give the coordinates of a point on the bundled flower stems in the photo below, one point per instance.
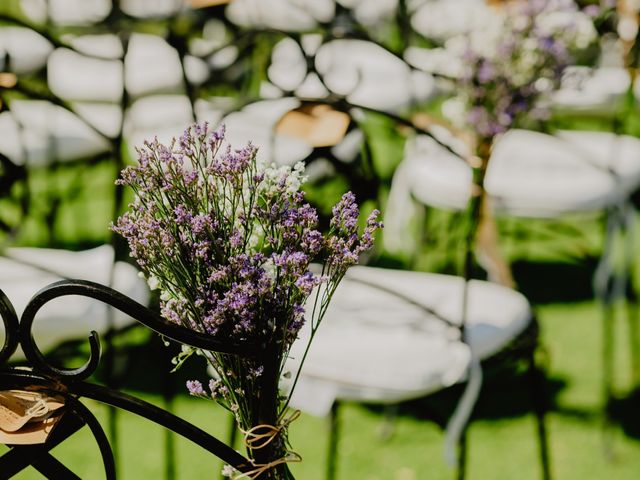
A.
x: 230, y: 242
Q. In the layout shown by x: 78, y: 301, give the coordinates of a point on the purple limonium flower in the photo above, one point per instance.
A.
x: 195, y: 387
x: 230, y: 244
x: 486, y: 71
x: 523, y: 43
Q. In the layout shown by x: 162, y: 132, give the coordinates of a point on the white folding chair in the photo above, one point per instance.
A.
x: 24, y: 271
x: 391, y: 336
x: 535, y: 175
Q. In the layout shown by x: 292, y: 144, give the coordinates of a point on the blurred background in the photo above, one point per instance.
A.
x: 367, y: 94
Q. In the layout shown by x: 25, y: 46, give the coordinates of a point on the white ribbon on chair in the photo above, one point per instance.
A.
x: 628, y: 221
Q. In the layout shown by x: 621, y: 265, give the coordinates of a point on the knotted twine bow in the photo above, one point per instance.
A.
x: 262, y: 435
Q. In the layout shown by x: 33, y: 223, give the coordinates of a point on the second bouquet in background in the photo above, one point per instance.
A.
x: 512, y: 58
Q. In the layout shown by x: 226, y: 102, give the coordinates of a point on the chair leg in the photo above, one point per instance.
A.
x: 538, y: 387
x: 334, y: 432
x: 634, y: 337
x: 112, y: 428
x: 630, y: 296
x: 168, y: 391
x: 608, y: 320
x: 461, y: 469
x: 388, y: 426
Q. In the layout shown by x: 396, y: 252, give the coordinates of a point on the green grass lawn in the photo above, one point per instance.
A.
x: 553, y: 264
x: 502, y: 436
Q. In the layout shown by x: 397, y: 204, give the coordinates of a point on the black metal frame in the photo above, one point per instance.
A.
x: 71, y: 384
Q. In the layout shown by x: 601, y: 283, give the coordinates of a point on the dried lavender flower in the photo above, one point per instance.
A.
x: 229, y: 242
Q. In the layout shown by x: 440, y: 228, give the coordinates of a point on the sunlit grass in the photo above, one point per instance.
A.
x: 502, y: 439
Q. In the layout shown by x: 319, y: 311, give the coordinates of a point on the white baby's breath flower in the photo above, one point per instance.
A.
x: 296, y: 178
x: 543, y: 85
x: 153, y: 283
x: 627, y: 28
x: 574, y: 27
x: 228, y: 471
x: 269, y: 268
x: 454, y: 109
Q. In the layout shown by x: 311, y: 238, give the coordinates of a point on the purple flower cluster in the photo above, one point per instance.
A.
x: 519, y: 58
x: 230, y: 243
x: 346, y: 246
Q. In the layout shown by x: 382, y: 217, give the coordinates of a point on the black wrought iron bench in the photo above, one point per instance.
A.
x: 70, y: 385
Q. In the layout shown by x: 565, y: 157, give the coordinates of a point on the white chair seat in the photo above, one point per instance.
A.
x: 67, y: 12
x: 102, y: 45
x: 359, y: 70
x: 38, y: 132
x: 288, y: 66
x: 151, y: 66
x: 152, y: 8
x: 26, y: 270
x: 372, y: 364
x: 106, y: 118
x: 363, y: 71
x: 542, y: 176
x: 371, y: 12
x: 401, y: 297
x: 257, y: 123
x: 443, y: 19
x: 26, y: 49
x: 286, y: 15
x: 162, y: 116
x: 381, y: 347
x: 532, y: 174
x: 436, y: 60
x: 600, y: 92
x: 73, y: 76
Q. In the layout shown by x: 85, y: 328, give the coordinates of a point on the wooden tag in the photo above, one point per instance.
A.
x: 10, y: 421
x: 27, y: 417
x: 207, y: 3
x: 317, y: 124
x: 32, y: 433
x: 8, y: 80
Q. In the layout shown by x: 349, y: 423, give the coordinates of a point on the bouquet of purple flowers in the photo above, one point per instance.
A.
x: 229, y: 243
x: 514, y: 56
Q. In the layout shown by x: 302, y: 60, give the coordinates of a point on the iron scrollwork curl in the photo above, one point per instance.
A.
x: 126, y: 305
x: 70, y: 382
x: 11, y: 326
